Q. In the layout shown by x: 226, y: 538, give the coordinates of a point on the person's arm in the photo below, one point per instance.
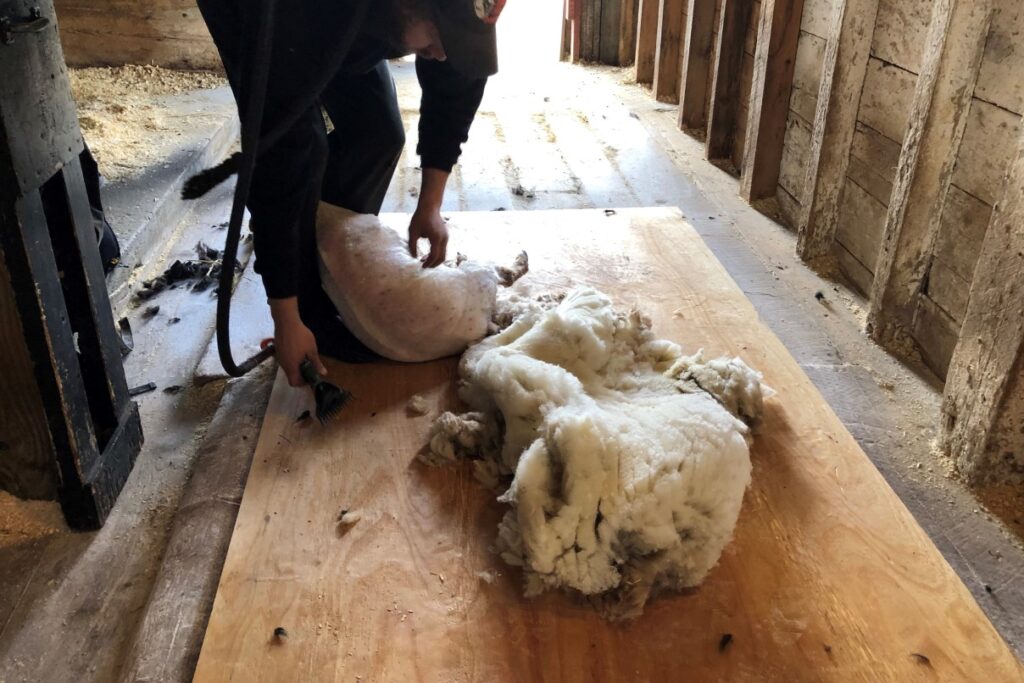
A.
x: 447, y: 108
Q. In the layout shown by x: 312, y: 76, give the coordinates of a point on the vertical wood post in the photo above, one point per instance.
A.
x: 609, y: 30
x: 725, y: 93
x: 667, y: 56
x: 646, y: 40
x: 983, y: 404
x: 572, y: 35
x: 590, y: 30
x: 693, y: 87
x: 774, y: 61
x: 627, y: 31
x: 938, y: 117
x: 845, y: 65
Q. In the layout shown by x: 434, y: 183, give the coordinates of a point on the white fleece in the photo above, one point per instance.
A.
x: 390, y: 302
x: 625, y: 462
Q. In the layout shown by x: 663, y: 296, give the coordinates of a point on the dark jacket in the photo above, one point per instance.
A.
x: 286, y: 183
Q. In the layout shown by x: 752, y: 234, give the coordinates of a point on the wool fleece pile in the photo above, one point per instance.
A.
x: 623, y: 461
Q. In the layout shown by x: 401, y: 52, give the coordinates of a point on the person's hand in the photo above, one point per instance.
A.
x: 293, y: 341
x: 428, y: 223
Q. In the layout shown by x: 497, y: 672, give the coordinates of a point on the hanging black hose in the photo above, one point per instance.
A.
x: 258, y: 72
x: 252, y: 122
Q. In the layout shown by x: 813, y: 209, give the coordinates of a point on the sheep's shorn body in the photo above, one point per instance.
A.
x: 391, y: 303
x: 627, y: 460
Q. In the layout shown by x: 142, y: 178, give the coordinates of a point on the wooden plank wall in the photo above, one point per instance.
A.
x: 993, y: 123
x: 167, y: 33
x: 27, y: 465
x: 603, y: 31
x: 880, y: 131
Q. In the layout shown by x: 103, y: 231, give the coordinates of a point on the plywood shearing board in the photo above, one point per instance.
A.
x: 828, y: 577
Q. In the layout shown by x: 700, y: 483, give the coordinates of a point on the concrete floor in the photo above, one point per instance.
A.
x: 548, y: 136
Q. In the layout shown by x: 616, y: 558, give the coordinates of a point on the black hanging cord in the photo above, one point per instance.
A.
x: 252, y: 123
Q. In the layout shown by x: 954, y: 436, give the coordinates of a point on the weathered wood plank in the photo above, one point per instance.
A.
x: 888, y: 99
x: 669, y: 51
x: 949, y: 291
x: 774, y: 61
x: 794, y: 155
x: 1001, y: 80
x: 986, y: 150
x: 817, y: 17
x: 610, y: 30
x: 810, y: 59
x: 700, y: 17
x: 726, y: 97
x: 861, y: 222
x: 27, y: 466
x: 937, y: 333
x: 982, y: 402
x: 590, y: 30
x: 168, y: 33
x: 901, y: 32
x: 955, y: 46
x: 743, y: 114
x: 646, y: 40
x: 965, y: 218
x: 844, y: 71
x: 399, y: 597
x: 572, y: 35
x: 627, y: 31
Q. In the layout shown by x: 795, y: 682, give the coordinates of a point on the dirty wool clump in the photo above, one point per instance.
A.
x: 623, y: 461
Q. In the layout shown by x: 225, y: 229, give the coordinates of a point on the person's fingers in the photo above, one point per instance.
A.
x: 314, y: 358
x: 291, y: 371
x: 414, y: 236
x: 428, y: 261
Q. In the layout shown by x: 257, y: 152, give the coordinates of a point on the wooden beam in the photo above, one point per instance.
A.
x: 669, y: 50
x: 983, y: 406
x: 845, y: 65
x: 627, y: 31
x: 774, y: 61
x: 646, y: 40
x: 693, y: 86
x: 590, y: 30
x: 953, y: 54
x: 725, y: 92
x: 570, y: 31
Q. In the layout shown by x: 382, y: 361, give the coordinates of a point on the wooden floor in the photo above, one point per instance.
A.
x: 828, y: 578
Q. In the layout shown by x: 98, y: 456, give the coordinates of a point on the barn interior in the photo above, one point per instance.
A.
x: 830, y: 190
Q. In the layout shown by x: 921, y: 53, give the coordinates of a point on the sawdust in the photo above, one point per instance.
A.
x: 127, y: 117
x: 1007, y: 503
x: 25, y: 520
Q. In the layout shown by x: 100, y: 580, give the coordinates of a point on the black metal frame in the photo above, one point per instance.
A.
x: 50, y: 251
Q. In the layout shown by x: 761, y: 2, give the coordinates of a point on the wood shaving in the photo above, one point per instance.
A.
x: 24, y: 520
x: 126, y: 118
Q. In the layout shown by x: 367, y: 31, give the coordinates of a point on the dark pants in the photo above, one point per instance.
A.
x: 351, y: 167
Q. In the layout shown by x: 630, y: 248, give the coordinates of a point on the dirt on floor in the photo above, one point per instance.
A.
x: 128, y: 117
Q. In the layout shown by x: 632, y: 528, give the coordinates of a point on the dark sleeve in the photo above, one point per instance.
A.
x: 284, y: 189
x: 447, y: 108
